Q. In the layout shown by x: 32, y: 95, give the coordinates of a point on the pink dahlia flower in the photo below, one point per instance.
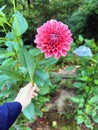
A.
x: 53, y: 38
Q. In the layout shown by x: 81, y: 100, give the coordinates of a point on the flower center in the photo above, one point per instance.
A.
x: 54, y: 38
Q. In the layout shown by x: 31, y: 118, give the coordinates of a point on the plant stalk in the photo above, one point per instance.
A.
x: 37, y: 62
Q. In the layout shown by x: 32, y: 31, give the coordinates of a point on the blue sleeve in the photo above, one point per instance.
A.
x: 8, y: 114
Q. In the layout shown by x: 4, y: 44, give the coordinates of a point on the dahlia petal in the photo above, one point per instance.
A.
x: 66, y: 48
x: 68, y: 33
x: 39, y: 46
x: 43, y: 49
x: 69, y: 41
x: 53, y: 25
x: 57, y: 56
x: 63, y: 52
x: 48, y: 55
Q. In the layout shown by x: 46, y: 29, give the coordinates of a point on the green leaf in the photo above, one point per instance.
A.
x: 19, y: 24
x: 88, y: 109
x: 94, y: 112
x: 34, y: 52
x: 2, y: 40
x: 42, y: 78
x: 29, y: 112
x: 94, y: 99
x: 44, y: 90
x: 80, y: 38
x: 74, y: 99
x: 3, y: 79
x: 84, y: 78
x: 70, y: 68
x: 12, y: 74
x: 4, y: 93
x: 77, y: 85
x: 96, y: 81
x: 2, y: 8
x: 48, y: 62
x: 2, y: 18
x: 27, y: 61
x: 38, y: 111
x: 12, y: 42
x: 9, y: 61
x: 79, y: 119
x: 83, y: 73
x: 5, y: 54
x: 87, y: 122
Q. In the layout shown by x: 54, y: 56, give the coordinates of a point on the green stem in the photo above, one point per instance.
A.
x: 8, y: 24
x: 4, y: 29
x: 13, y: 1
x: 17, y: 36
x: 37, y: 62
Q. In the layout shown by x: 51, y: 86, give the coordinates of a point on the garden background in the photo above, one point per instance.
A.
x: 68, y: 98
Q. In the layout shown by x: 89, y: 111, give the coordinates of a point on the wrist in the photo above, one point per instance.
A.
x: 22, y: 107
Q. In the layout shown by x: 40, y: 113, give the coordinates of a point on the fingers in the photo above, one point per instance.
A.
x: 34, y: 91
x: 30, y: 89
x: 34, y: 95
x: 35, y: 88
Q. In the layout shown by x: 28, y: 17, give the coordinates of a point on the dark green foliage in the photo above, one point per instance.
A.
x: 85, y: 19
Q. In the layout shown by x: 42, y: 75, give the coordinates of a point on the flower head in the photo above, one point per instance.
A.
x: 53, y: 38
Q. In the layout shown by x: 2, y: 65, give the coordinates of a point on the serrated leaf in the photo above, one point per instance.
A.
x: 79, y: 119
x: 34, y: 52
x: 27, y: 61
x: 11, y: 41
x: 44, y: 90
x: 96, y: 81
x: 19, y: 24
x: 42, y: 78
x: 12, y: 74
x: 95, y: 118
x: 29, y: 112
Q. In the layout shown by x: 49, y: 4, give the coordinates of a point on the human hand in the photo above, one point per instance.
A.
x: 26, y: 93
